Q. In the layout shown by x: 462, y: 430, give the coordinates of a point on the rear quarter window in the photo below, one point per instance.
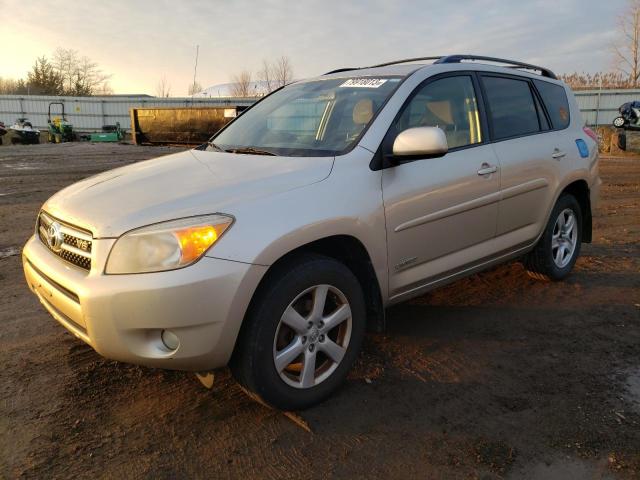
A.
x: 555, y: 99
x: 512, y: 109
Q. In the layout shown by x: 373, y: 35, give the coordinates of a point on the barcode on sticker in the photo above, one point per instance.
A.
x: 364, y: 82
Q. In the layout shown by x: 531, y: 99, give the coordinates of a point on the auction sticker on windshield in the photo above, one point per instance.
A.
x: 364, y: 82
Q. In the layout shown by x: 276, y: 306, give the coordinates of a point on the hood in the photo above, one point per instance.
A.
x: 179, y: 185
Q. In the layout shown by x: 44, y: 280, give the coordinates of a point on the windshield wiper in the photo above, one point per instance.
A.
x: 250, y: 150
x: 214, y: 146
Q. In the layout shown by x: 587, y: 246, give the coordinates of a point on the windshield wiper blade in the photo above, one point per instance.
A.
x: 250, y: 150
x: 214, y: 146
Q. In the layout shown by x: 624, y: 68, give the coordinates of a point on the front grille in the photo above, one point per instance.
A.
x: 72, y: 245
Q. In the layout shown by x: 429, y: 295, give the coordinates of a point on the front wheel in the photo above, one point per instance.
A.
x: 557, y: 250
x: 302, y: 334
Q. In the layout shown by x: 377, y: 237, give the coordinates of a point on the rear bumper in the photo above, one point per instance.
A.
x: 122, y: 316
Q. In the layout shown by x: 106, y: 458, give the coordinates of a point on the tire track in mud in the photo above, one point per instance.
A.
x: 161, y: 419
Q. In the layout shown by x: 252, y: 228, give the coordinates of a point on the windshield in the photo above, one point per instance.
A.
x: 315, y: 118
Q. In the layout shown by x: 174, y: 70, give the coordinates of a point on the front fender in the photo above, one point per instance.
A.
x: 348, y: 202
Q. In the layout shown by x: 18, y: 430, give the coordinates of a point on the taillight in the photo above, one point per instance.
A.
x: 591, y: 133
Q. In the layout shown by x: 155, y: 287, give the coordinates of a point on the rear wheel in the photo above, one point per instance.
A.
x: 557, y: 250
x: 302, y: 333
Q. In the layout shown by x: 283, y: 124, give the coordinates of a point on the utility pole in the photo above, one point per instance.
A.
x: 195, y: 71
x: 598, y: 101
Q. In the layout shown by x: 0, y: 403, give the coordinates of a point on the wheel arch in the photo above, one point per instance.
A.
x: 580, y: 191
x: 350, y: 251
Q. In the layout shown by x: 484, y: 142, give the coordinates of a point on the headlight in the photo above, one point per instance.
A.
x: 167, y: 245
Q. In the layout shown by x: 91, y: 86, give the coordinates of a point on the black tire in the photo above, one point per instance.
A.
x: 622, y: 141
x: 619, y: 122
x: 540, y: 263
x: 252, y: 363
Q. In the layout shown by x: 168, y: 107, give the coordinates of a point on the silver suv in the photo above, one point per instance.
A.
x: 274, y: 247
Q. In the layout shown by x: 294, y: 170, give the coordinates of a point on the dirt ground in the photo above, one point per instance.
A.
x: 495, y: 376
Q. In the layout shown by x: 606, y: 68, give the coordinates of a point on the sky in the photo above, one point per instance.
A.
x: 140, y: 41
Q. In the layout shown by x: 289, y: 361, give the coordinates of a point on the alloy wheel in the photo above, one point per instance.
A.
x: 564, y: 238
x: 312, y: 336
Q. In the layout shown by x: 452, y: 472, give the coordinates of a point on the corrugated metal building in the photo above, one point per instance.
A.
x: 599, y: 107
x: 91, y: 113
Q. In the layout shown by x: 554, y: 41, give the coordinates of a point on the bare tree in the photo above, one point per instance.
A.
x: 265, y: 75
x: 10, y: 86
x: 104, y: 89
x: 283, y: 72
x: 163, y: 88
x: 194, y: 88
x: 64, y: 62
x: 80, y: 75
x: 89, y: 77
x: 241, y: 85
x: 275, y: 74
x: 626, y: 48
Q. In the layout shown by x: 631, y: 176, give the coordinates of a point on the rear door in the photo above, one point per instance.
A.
x: 526, y: 147
x: 441, y: 213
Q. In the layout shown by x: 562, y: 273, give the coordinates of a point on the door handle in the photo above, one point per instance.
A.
x: 486, y: 169
x: 557, y: 154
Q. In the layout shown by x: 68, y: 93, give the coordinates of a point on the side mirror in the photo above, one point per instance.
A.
x: 421, y: 142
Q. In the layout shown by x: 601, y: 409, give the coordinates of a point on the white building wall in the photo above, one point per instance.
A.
x: 91, y: 113
x: 599, y: 107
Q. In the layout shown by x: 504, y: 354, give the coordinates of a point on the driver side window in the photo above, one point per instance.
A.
x: 450, y: 104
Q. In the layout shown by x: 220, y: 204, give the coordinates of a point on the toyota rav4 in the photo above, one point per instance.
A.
x: 275, y: 246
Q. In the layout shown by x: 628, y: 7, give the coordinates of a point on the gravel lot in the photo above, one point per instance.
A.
x: 495, y: 376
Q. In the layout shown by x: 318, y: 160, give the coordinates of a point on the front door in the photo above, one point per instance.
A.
x: 441, y: 213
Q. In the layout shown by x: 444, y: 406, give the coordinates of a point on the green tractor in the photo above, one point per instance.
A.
x: 59, y: 130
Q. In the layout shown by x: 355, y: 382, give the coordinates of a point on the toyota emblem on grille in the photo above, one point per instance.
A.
x: 55, y: 237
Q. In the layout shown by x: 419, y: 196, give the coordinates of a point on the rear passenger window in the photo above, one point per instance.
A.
x: 512, y: 109
x: 555, y: 99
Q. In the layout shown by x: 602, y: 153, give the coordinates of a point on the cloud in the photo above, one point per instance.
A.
x: 141, y: 41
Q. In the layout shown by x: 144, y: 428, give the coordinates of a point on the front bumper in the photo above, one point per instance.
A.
x: 122, y: 316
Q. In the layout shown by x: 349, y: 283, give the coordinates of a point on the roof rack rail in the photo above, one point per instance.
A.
x: 406, y: 60
x: 545, y: 72
x: 338, y: 70
x: 395, y: 62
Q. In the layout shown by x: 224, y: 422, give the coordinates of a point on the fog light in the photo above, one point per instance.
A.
x: 169, y: 339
